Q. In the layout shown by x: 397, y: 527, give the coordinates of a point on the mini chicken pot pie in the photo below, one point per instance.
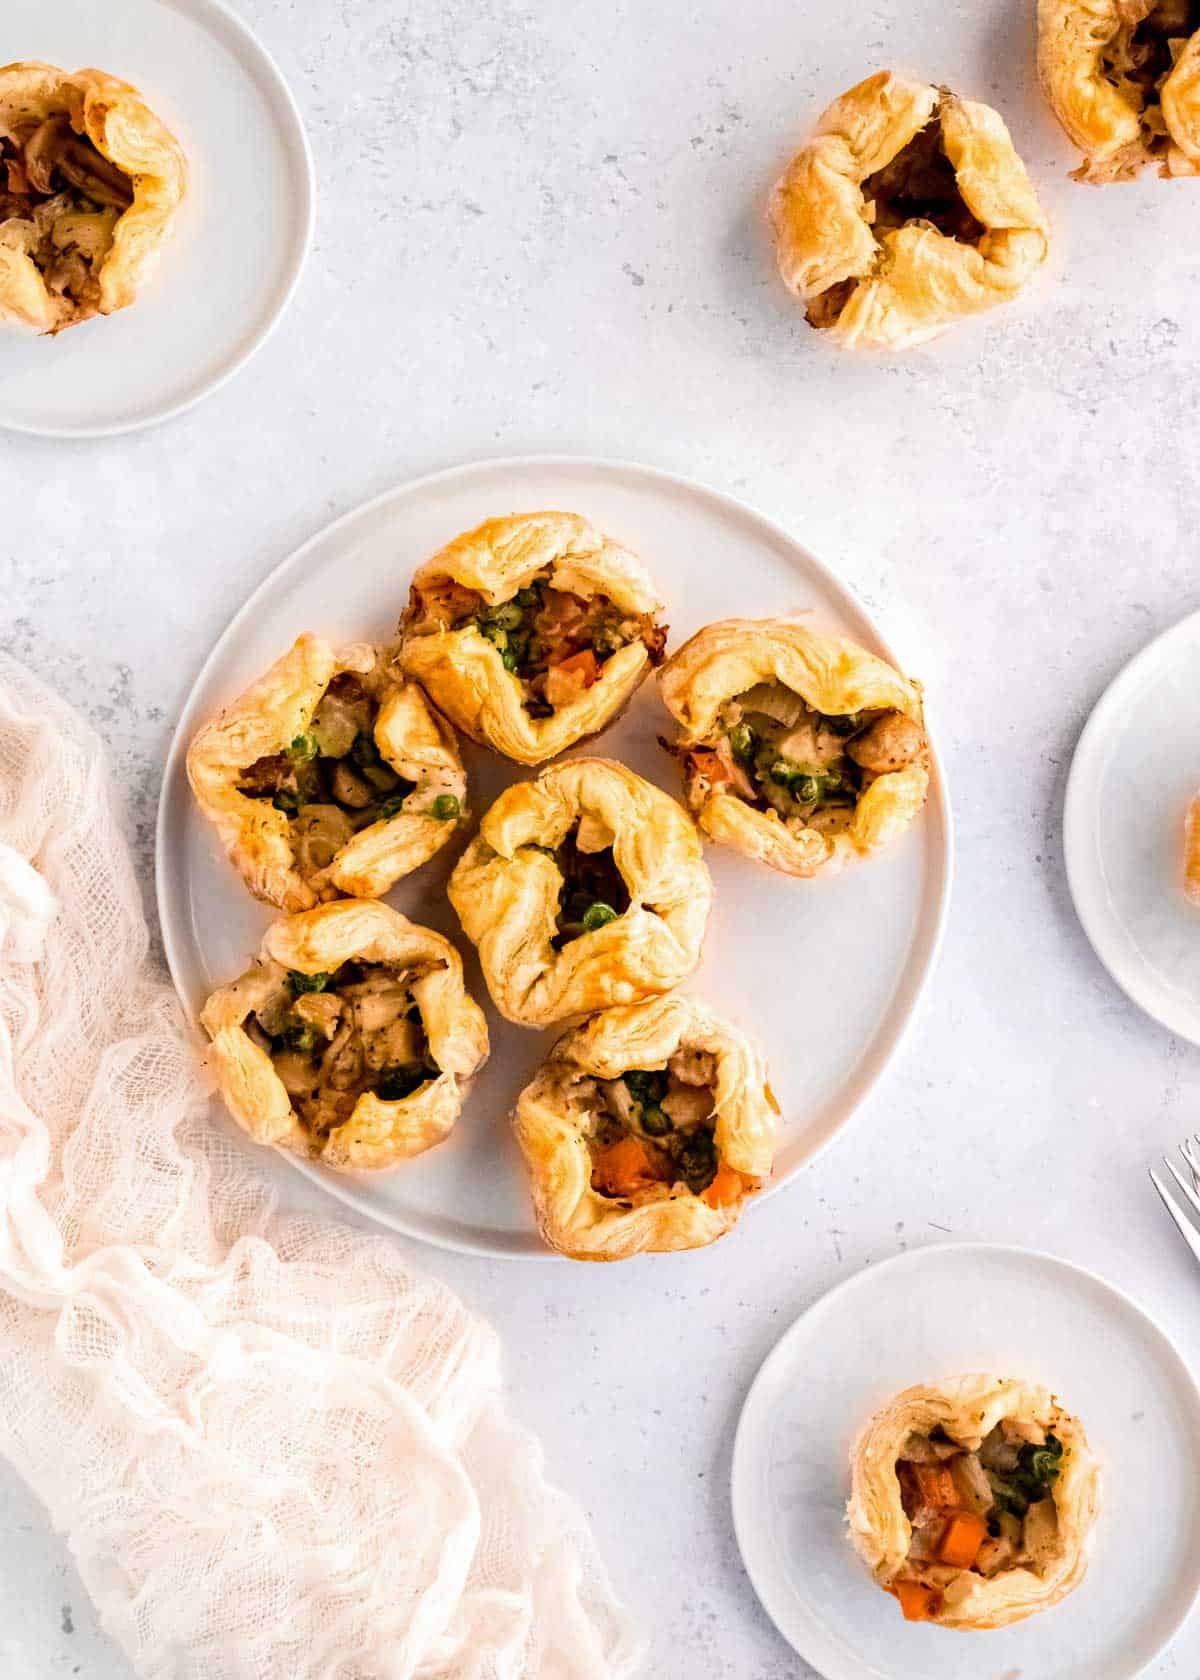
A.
x: 328, y: 775
x: 531, y: 633
x: 351, y: 1040
x: 798, y: 748
x: 584, y: 888
x: 645, y: 1130
x: 908, y: 210
x: 90, y: 181
x: 1123, y: 78
x: 974, y: 1501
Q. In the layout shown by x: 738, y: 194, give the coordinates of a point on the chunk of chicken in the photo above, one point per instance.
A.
x: 688, y: 1105
x: 693, y: 1067
x: 400, y: 1044
x: 320, y: 1010
x: 891, y: 743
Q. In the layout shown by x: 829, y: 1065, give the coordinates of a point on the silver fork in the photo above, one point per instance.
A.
x: 1188, y: 1223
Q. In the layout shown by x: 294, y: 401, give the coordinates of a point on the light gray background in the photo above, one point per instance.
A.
x: 541, y: 228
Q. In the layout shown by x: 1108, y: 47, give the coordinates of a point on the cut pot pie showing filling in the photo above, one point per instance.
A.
x: 908, y: 210
x: 584, y: 888
x: 329, y: 775
x: 1123, y: 78
x: 645, y: 1130
x: 351, y: 1039
x: 798, y: 748
x: 90, y: 181
x: 531, y: 633
x: 974, y: 1501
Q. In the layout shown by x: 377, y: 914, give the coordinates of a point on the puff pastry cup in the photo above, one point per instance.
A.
x: 908, y: 210
x: 645, y: 1130
x: 531, y: 633
x: 584, y: 888
x: 90, y: 181
x: 799, y: 749
x: 351, y: 1040
x: 329, y: 775
x: 1123, y: 79
x: 974, y: 1501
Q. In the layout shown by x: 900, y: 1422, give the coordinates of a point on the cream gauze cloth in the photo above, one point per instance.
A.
x: 277, y: 1453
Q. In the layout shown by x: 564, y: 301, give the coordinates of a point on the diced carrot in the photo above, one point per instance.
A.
x: 964, y: 1534
x: 934, y: 1488
x: 916, y: 1601
x: 726, y: 1188
x: 584, y: 662
x: 567, y: 680
x: 623, y: 1167
x: 708, y: 765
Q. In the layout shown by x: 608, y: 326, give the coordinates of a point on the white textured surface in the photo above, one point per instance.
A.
x: 540, y: 228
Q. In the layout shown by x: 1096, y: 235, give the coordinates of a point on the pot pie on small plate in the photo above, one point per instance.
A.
x: 799, y: 749
x: 584, y: 888
x: 351, y: 1040
x: 90, y: 183
x: 908, y: 210
x: 531, y: 633
x: 1123, y: 79
x: 974, y: 1501
x: 329, y: 775
x: 645, y: 1130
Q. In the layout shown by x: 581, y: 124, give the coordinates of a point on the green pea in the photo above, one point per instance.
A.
x: 307, y: 982
x: 741, y: 739
x: 493, y: 632
x: 806, y: 789
x: 598, y: 916
x: 303, y: 748
x: 845, y: 725
x: 390, y: 807
x: 508, y: 615
x: 398, y: 1083
x: 656, y: 1122
x: 300, y: 1038
x: 508, y: 658
x: 445, y: 807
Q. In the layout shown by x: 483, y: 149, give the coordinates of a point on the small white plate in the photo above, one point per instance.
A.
x: 1131, y: 780
x: 828, y: 1028
x: 242, y: 236
x: 939, y: 1312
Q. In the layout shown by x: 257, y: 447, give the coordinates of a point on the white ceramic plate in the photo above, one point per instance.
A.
x: 243, y: 231
x: 823, y: 973
x: 1130, y: 784
x: 939, y: 1312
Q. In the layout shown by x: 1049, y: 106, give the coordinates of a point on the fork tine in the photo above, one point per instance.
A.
x: 1189, y: 1190
x: 1183, y: 1224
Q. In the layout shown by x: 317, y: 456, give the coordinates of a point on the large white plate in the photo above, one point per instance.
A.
x: 1135, y: 769
x: 824, y: 974
x: 939, y: 1312
x: 243, y: 231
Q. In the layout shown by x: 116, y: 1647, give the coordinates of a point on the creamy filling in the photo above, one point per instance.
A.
x: 332, y: 1037
x: 774, y: 752
x: 974, y: 1512
x: 332, y: 781
x: 554, y: 642
x: 60, y: 200
x: 593, y: 891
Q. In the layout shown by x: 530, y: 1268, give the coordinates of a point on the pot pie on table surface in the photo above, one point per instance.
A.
x: 531, y: 632
x: 798, y: 748
x: 1123, y: 79
x: 584, y: 888
x: 908, y: 210
x: 329, y: 775
x: 90, y: 182
x: 645, y: 1130
x: 973, y: 1501
x: 350, y: 1040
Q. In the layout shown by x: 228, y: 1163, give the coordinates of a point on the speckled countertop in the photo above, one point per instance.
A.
x: 541, y: 229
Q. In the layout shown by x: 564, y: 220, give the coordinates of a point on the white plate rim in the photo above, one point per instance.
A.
x: 738, y: 1475
x: 927, y: 943
x: 270, y: 77
x: 1079, y: 841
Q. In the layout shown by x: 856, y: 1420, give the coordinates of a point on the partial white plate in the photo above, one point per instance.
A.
x: 824, y: 974
x: 939, y: 1312
x: 1131, y: 780
x: 243, y: 232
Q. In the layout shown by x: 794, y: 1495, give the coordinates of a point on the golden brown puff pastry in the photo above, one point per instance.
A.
x: 328, y: 775
x: 908, y: 210
x: 646, y: 1129
x: 974, y: 1501
x: 531, y: 632
x: 584, y: 888
x: 90, y: 181
x: 1123, y: 78
x: 799, y: 749
x: 351, y: 1040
